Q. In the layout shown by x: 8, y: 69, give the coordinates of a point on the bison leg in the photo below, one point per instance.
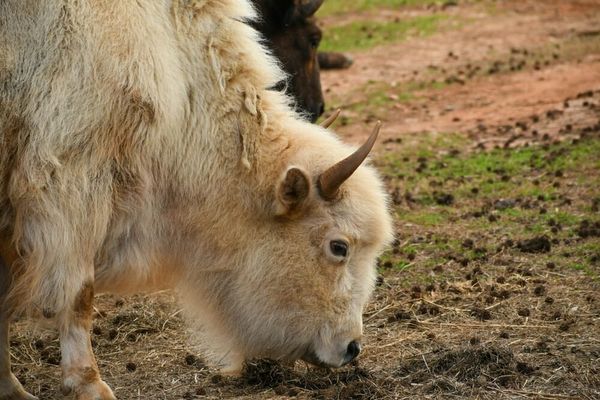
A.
x: 10, y: 387
x: 79, y: 368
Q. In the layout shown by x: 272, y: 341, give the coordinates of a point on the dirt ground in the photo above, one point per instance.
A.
x: 491, y: 152
x: 523, y: 58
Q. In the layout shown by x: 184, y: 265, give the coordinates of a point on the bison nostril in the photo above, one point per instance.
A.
x: 353, y: 350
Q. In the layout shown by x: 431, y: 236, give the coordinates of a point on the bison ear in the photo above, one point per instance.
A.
x: 292, y: 192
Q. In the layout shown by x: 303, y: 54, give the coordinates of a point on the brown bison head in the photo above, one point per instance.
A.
x: 293, y: 36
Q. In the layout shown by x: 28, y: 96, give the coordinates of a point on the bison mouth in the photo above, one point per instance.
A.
x: 352, y: 352
x: 311, y: 357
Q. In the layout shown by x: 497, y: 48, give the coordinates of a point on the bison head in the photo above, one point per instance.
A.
x: 307, y: 267
x: 293, y: 36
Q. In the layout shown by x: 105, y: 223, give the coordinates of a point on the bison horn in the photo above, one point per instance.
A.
x: 331, y: 119
x: 309, y: 7
x: 330, y: 181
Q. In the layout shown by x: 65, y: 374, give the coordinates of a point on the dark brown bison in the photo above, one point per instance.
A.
x: 293, y: 35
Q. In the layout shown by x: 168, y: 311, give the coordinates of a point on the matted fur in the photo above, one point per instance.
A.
x: 140, y: 149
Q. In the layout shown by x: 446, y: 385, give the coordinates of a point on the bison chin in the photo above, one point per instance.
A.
x: 339, y: 359
x: 311, y: 357
x: 352, y: 351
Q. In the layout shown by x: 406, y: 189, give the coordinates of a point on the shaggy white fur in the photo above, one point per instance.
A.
x: 140, y: 148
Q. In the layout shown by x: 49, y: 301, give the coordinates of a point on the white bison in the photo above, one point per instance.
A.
x: 140, y: 149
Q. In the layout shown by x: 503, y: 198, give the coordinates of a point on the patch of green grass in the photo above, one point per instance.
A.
x: 514, y: 213
x: 563, y: 218
x: 485, y: 164
x: 390, y: 262
x: 573, y: 157
x: 382, y: 97
x: 402, y: 265
x: 536, y: 192
x: 378, y: 97
x: 522, y: 194
x: 331, y: 7
x: 425, y: 217
x: 585, y: 268
x: 415, y: 86
x: 577, y: 266
x: 521, y: 176
x: 409, y: 249
x: 500, y: 172
x: 360, y: 35
x: 577, y: 47
x: 586, y: 255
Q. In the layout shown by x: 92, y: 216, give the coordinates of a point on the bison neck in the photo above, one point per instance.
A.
x: 194, y: 198
x: 195, y: 213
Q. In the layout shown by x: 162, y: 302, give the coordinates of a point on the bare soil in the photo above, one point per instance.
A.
x: 477, y: 58
x: 502, y: 316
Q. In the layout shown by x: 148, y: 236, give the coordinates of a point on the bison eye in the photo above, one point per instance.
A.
x: 314, y: 41
x: 339, y: 248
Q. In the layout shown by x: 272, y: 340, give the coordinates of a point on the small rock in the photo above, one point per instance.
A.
x: 539, y: 290
x: 540, y: 244
x: 443, y: 199
x: 504, y: 204
x: 524, y: 368
x: 523, y: 312
x: 474, y: 341
x: 481, y: 314
x: 191, y: 359
x: 588, y: 229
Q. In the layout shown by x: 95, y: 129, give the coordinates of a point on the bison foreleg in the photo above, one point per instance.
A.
x: 10, y: 387
x: 79, y: 368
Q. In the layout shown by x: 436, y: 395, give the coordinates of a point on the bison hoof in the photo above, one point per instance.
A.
x: 11, y: 389
x: 97, y: 390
